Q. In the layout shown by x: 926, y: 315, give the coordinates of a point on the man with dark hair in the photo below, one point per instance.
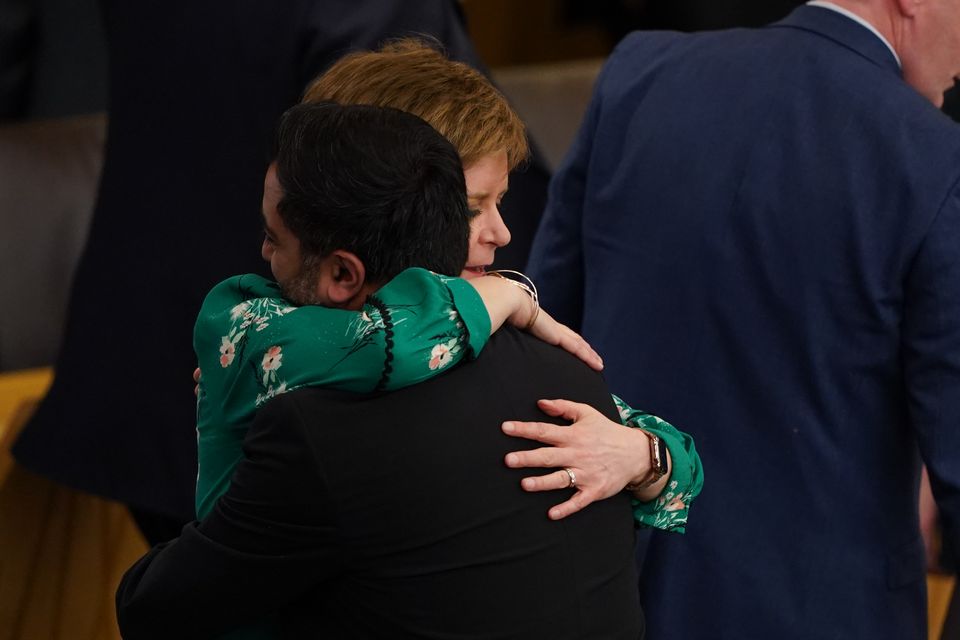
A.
x: 388, y: 515
x: 391, y: 193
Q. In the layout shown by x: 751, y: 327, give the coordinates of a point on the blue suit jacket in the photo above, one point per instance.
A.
x: 759, y: 230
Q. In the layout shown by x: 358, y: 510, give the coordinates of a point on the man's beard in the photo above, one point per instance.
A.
x: 301, y: 289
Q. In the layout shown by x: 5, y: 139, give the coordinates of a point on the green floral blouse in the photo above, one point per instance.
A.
x: 252, y: 345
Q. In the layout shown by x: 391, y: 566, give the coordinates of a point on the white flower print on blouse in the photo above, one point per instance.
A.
x: 271, y: 392
x: 228, y: 346
x: 441, y: 354
x: 228, y: 351
x: 272, y: 360
x: 239, y: 310
x: 255, y: 313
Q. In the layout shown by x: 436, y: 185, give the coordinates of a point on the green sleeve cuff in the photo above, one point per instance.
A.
x: 472, y: 311
x: 669, y: 510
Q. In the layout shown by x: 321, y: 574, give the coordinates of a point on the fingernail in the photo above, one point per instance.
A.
x: 509, y: 427
x: 511, y: 459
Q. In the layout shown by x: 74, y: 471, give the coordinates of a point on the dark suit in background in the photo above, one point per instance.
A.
x: 759, y: 231
x: 619, y: 17
x: 393, y: 516
x: 951, y: 105
x: 195, y: 91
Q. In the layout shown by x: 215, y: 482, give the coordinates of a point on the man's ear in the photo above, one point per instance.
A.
x: 342, y: 278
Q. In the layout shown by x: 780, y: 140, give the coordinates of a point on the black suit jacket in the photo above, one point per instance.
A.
x: 196, y: 89
x: 394, y: 516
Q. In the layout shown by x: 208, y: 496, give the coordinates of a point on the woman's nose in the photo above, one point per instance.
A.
x: 497, y: 231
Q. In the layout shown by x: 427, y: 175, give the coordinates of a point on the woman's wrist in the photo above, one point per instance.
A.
x: 526, y: 309
x: 525, y: 315
x: 504, y: 302
x: 656, y: 465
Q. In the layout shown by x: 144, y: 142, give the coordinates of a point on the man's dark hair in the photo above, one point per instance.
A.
x: 377, y: 182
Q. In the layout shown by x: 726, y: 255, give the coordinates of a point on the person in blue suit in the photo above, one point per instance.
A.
x: 759, y: 231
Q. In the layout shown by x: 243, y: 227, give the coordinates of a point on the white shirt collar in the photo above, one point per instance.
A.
x: 850, y: 14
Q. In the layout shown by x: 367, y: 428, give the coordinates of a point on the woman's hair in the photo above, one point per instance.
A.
x: 454, y: 98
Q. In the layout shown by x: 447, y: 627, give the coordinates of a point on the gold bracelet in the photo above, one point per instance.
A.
x: 533, y: 318
x: 530, y: 288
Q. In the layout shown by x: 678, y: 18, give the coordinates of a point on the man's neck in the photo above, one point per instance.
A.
x: 872, y: 16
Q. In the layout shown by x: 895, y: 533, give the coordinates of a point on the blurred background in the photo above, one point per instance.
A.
x: 53, y: 95
x: 544, y: 54
x: 61, y: 551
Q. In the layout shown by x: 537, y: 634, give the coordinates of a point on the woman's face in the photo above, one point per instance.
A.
x: 486, y: 185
